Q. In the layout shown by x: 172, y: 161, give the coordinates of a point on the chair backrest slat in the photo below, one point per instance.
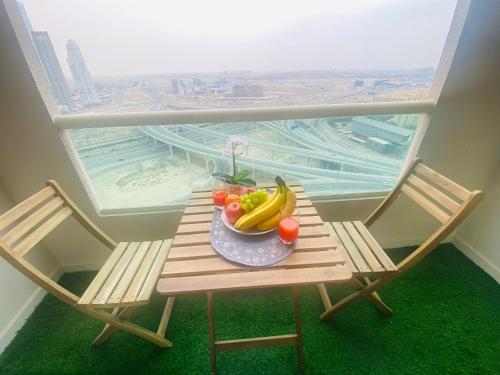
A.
x: 43, y: 230
x: 437, y: 195
x: 425, y: 203
x: 443, y: 198
x: 31, y: 221
x: 22, y: 208
x: 442, y: 181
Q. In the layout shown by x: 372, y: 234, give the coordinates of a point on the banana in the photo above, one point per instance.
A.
x: 273, y: 221
x: 264, y: 211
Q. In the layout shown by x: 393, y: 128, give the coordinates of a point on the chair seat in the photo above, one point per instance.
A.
x: 363, y: 253
x: 129, y: 275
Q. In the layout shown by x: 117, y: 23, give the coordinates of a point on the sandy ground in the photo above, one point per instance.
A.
x: 151, y: 183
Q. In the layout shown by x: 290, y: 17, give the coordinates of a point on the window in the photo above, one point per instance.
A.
x: 335, y: 94
x: 151, y: 166
x: 128, y: 56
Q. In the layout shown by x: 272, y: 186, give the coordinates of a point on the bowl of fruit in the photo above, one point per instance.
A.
x: 257, y: 211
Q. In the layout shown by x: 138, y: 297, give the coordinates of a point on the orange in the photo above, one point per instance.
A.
x: 231, y: 198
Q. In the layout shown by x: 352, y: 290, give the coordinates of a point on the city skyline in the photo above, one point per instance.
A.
x: 52, y: 69
x: 365, y: 35
x: 83, y: 81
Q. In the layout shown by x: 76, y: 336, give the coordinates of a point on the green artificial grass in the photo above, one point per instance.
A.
x: 446, y: 321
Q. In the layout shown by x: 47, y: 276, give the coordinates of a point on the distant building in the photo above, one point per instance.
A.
x: 223, y: 84
x: 248, y: 91
x: 378, y: 135
x: 175, y: 86
x: 199, y: 86
x: 52, y: 69
x: 380, y: 82
x: 407, y: 120
x: 84, y: 84
x: 359, y: 83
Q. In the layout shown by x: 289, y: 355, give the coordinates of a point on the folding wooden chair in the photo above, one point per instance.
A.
x: 448, y: 202
x: 125, y: 281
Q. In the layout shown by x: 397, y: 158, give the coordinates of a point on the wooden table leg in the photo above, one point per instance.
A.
x: 211, y: 333
x: 298, y: 328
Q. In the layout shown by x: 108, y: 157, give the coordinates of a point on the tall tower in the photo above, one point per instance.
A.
x: 84, y: 84
x: 52, y: 69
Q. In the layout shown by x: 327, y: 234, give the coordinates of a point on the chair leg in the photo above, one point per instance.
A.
x: 162, y: 327
x: 124, y: 325
x: 324, y: 296
x: 364, y: 291
x: 109, y: 329
x: 376, y: 299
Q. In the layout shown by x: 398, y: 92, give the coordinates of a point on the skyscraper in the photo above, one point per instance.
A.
x: 84, y: 84
x: 52, y: 69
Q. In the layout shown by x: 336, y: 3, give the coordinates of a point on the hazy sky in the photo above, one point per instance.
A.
x: 119, y: 37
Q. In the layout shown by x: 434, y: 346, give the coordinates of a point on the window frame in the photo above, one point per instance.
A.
x: 62, y: 123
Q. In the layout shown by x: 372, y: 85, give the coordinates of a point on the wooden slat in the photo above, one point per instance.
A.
x: 96, y: 284
x: 207, y: 217
x: 129, y: 274
x: 204, y: 238
x: 16, y: 212
x: 363, y: 248
x: 434, y: 193
x: 154, y: 274
x: 375, y: 247
x: 340, y: 247
x: 351, y: 248
x: 196, y: 210
x: 256, y: 342
x: 248, y: 280
x: 219, y: 265
x: 83, y: 219
x: 43, y: 230
x: 142, y: 274
x: 425, y: 203
x: 206, y: 251
x: 209, y: 201
x: 200, y: 218
x: 205, y: 227
x: 444, y: 182
x: 32, y: 220
x: 115, y: 276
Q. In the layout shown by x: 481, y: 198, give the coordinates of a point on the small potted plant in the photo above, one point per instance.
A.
x: 239, y: 179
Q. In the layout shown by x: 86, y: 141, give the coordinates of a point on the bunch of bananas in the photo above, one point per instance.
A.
x: 267, y: 215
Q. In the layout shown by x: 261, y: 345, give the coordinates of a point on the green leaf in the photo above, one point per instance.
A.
x: 248, y: 182
x: 241, y: 175
x: 224, y: 179
x: 224, y: 175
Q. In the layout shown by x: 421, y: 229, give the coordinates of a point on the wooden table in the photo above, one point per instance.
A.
x: 192, y: 266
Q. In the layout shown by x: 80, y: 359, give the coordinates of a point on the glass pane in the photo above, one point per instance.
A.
x: 160, y: 165
x: 129, y: 56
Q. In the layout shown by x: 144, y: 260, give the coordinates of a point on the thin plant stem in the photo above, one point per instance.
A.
x: 234, y: 159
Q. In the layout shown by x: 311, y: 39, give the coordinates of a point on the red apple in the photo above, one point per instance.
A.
x: 233, y: 212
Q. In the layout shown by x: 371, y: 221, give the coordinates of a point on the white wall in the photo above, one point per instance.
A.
x: 18, y: 295
x: 463, y: 142
x: 479, y: 237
